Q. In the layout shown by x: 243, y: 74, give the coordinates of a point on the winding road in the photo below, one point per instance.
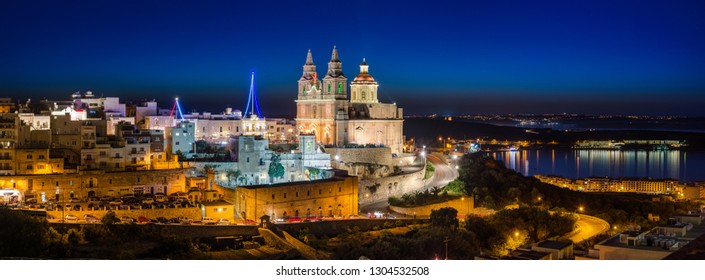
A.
x: 443, y: 174
x: 587, y: 227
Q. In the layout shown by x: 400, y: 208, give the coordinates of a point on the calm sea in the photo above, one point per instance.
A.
x: 681, y: 165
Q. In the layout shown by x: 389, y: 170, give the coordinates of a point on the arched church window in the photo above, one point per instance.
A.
x: 363, y: 95
x: 328, y: 87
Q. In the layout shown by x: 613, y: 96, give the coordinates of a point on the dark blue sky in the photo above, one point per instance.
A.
x: 642, y: 57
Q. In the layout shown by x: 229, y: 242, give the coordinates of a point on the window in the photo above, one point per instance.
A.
x: 363, y: 95
x: 29, y: 166
x: 29, y: 156
x: 40, y: 166
x: 340, y: 87
x: 328, y: 87
x: 297, y: 194
x: 320, y: 191
x: 340, y: 189
x: 41, y: 156
x: 57, y: 183
x: 308, y: 193
x: 177, y: 143
x: 284, y: 195
x: 272, y: 196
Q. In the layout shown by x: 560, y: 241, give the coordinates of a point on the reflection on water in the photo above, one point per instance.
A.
x: 612, y: 163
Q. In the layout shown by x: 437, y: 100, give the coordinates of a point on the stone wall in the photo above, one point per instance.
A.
x: 380, y: 189
x: 381, y: 156
x: 189, y: 212
x: 464, y: 205
x: 333, y: 228
x: 191, y: 231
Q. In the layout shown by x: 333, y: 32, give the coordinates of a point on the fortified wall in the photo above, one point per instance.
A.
x: 380, y: 189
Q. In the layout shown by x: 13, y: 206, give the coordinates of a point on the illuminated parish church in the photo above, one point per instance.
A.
x: 323, y: 108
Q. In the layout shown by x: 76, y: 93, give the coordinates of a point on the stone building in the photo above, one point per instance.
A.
x: 323, y: 108
x: 334, y: 197
x: 96, y: 183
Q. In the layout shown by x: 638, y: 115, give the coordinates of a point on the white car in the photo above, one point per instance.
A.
x: 71, y: 218
x: 223, y: 222
x: 185, y: 220
x: 160, y: 198
x: 148, y: 200
x: 208, y: 221
x: 127, y: 220
x: 90, y: 219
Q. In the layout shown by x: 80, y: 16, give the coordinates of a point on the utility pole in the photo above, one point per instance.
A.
x: 446, y: 242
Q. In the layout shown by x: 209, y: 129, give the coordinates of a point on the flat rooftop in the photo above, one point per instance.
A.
x: 551, y: 244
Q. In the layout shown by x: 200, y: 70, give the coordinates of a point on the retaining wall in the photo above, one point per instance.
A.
x: 390, y: 186
x: 464, y: 205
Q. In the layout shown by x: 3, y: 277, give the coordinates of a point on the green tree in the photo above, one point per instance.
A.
x: 446, y: 217
x: 201, y: 146
x: 233, y: 175
x: 21, y: 236
x: 276, y: 169
x: 109, y: 218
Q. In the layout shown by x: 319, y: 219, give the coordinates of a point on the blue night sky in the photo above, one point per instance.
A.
x: 641, y: 57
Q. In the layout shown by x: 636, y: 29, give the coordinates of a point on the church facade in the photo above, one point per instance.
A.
x: 325, y: 109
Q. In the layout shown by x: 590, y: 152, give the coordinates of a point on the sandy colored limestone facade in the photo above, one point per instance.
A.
x: 323, y: 108
x: 335, y: 197
x: 96, y: 183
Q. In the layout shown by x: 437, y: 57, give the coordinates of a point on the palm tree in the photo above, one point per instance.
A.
x: 233, y: 175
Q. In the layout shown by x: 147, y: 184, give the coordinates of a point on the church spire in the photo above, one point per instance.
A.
x: 309, y: 68
x: 335, y: 67
x: 309, y: 58
x: 334, y: 56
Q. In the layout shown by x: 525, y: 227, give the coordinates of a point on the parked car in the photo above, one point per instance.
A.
x: 116, y: 202
x: 174, y: 221
x: 93, y: 199
x: 90, y: 219
x: 126, y: 219
x: 141, y: 219
x: 163, y: 221
x: 71, y: 218
x: 293, y: 220
x: 223, y: 222
x: 185, y: 220
x: 148, y: 200
x: 77, y: 207
x: 208, y: 221
x: 160, y: 198
x: 50, y: 218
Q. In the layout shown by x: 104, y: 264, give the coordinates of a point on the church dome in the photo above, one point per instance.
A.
x: 364, y: 77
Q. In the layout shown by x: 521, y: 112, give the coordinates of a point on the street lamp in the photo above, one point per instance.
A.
x: 580, y: 209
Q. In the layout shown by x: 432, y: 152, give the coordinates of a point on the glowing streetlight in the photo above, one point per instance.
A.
x: 580, y: 209
x: 516, y: 234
